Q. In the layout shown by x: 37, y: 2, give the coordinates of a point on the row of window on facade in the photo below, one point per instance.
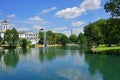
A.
x: 32, y: 36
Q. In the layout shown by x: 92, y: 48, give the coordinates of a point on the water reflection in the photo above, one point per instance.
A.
x: 74, y: 74
x: 58, y: 63
x: 107, y: 65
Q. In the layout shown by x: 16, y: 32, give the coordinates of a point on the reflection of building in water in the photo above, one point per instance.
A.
x: 2, y: 62
x: 25, y: 55
x: 30, y: 54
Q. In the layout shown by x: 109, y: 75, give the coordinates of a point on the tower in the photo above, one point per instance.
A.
x: 4, y: 26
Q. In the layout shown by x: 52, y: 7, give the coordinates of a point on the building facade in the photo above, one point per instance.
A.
x: 29, y: 35
x: 4, y: 27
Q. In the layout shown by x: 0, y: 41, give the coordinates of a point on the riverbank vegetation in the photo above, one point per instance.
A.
x: 105, y: 48
x: 105, y: 31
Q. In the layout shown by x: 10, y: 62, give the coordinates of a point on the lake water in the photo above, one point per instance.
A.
x: 60, y: 63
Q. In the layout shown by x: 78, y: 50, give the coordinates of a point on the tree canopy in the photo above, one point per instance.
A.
x: 113, y: 7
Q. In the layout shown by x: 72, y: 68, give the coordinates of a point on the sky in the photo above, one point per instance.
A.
x: 60, y: 16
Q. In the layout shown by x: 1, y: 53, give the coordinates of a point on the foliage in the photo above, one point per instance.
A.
x: 52, y: 38
x: 93, y: 33
x: 82, y: 38
x: 15, y: 35
x: 11, y: 37
x: 73, y: 38
x: 0, y: 40
x: 41, y: 37
x: 24, y: 43
x: 64, y: 40
x: 113, y: 7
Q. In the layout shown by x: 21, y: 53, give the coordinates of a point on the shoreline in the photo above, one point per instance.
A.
x: 41, y: 46
x: 104, y: 48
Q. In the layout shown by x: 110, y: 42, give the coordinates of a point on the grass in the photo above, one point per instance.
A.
x: 104, y: 48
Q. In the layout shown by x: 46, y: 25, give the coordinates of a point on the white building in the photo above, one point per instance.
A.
x: 4, y: 27
x: 31, y: 36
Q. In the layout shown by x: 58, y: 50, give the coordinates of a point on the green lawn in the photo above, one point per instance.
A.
x: 104, y: 48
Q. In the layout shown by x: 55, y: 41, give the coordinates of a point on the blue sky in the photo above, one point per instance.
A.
x: 57, y: 15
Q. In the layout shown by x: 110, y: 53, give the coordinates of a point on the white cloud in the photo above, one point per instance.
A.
x: 60, y: 28
x: 74, y: 12
x: 91, y: 4
x: 70, y: 12
x: 75, y: 74
x: 38, y: 27
x: 78, y: 23
x: 49, y: 10
x: 67, y: 33
x: 36, y: 18
x: 78, y: 30
x: 23, y: 29
x: 11, y: 16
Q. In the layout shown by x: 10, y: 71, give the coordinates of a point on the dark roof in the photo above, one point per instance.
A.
x: 5, y: 21
x: 21, y: 32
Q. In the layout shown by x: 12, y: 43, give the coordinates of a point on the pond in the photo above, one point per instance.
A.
x: 58, y: 63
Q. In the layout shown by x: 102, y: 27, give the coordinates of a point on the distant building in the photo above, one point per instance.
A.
x: 29, y: 35
x: 4, y: 27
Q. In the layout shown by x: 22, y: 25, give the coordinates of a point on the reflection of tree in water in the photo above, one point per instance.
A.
x: 107, y: 65
x: 50, y: 54
x: 11, y: 58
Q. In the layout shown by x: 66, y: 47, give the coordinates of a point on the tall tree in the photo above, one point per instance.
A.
x: 73, y: 38
x: 11, y: 37
x: 93, y: 34
x: 41, y: 37
x: 113, y: 7
x: 1, y: 40
x: 24, y: 43
x: 8, y: 37
x: 64, y: 40
x: 81, y: 38
x: 15, y: 36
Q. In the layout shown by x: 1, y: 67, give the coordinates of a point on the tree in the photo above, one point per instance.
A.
x: 1, y: 40
x: 64, y: 40
x: 15, y: 35
x: 73, y: 38
x: 81, y: 38
x: 11, y: 37
x: 8, y: 37
x: 93, y: 34
x: 24, y: 43
x: 113, y: 7
x: 41, y: 37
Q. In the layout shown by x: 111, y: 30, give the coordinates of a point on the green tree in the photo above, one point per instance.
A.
x: 113, y: 7
x: 73, y: 38
x: 1, y: 40
x: 64, y: 40
x: 15, y: 36
x: 81, y: 38
x: 8, y: 37
x: 93, y: 34
x: 112, y: 31
x: 41, y: 37
x: 11, y: 37
x: 24, y: 43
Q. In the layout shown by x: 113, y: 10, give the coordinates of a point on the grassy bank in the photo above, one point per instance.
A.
x: 104, y: 48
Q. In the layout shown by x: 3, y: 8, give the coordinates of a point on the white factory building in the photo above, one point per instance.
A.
x: 29, y: 35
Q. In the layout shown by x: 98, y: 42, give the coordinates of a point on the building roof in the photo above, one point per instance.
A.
x: 5, y: 21
x: 26, y: 32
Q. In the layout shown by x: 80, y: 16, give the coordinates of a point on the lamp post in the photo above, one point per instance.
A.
x: 45, y: 43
